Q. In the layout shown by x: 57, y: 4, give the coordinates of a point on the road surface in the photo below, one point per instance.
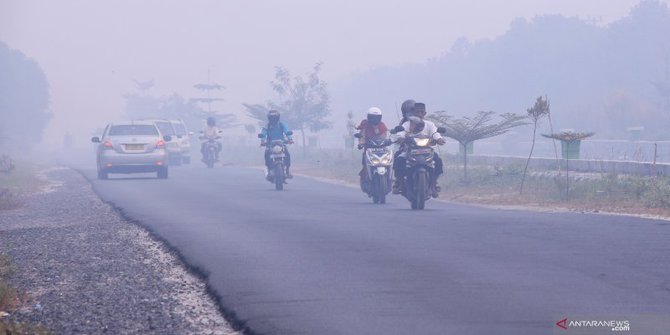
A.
x: 320, y: 258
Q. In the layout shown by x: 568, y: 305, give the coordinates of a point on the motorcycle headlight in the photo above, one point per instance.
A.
x: 277, y: 149
x: 384, y: 159
x: 422, y: 142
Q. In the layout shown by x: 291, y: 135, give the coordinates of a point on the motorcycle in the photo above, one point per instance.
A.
x: 378, y: 162
x: 210, y: 150
x: 277, y: 173
x: 420, y: 166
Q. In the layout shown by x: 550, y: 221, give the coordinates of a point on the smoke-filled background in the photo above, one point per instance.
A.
x: 67, y: 68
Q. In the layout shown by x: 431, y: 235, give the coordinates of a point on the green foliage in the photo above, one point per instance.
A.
x: 569, y: 136
x: 539, y: 110
x: 304, y: 103
x: 24, y: 99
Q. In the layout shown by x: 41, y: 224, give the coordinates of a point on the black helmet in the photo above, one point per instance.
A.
x: 211, y: 121
x: 273, y: 116
x: 406, y: 107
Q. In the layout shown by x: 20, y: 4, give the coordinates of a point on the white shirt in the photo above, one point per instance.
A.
x: 429, y: 130
x: 210, y: 132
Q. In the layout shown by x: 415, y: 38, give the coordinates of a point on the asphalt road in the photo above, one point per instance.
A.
x: 318, y: 258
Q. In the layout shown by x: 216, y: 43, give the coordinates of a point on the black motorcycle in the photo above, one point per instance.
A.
x: 420, y: 167
x: 277, y: 173
x: 210, y: 150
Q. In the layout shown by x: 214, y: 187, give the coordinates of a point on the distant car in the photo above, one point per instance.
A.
x: 132, y: 147
x: 166, y: 129
x: 184, y: 139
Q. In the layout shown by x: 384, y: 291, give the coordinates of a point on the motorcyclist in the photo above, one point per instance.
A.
x: 416, y: 124
x: 370, y: 128
x: 406, y: 110
x: 276, y: 130
x: 210, y: 132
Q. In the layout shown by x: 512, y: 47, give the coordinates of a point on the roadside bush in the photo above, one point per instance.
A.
x: 657, y: 194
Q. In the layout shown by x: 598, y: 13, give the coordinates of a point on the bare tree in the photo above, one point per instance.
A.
x: 304, y: 103
x: 569, y: 138
x: 251, y: 129
x: 351, y: 129
x: 535, y: 113
x: 467, y: 129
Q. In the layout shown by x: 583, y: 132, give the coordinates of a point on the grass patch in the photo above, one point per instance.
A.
x: 17, y: 183
x: 8, y: 295
x: 499, y: 185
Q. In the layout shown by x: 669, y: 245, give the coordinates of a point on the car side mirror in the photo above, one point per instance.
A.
x: 358, y: 135
x: 95, y: 139
x: 167, y: 138
x: 289, y: 133
x: 441, y: 130
x: 261, y: 136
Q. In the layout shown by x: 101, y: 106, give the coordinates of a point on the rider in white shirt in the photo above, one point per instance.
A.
x: 417, y: 125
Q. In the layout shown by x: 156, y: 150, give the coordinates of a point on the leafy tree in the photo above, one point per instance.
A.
x: 304, y: 103
x: 24, y: 99
x: 535, y: 113
x: 569, y: 137
x: 468, y: 129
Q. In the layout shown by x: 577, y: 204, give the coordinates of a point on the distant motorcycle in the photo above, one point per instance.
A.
x: 378, y: 163
x: 419, y: 169
x: 277, y: 173
x: 210, y: 149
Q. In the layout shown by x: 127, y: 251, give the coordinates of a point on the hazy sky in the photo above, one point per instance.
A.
x: 90, y: 50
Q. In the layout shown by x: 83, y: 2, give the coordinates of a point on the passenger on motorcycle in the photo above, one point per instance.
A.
x: 423, y: 127
x: 276, y: 130
x: 370, y: 128
x: 210, y: 132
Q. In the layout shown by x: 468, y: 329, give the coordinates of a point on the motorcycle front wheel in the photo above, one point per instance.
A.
x: 279, y: 177
x: 420, y: 190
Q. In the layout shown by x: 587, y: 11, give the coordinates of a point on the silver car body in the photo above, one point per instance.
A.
x: 131, y: 146
x: 173, y: 147
x: 183, y: 137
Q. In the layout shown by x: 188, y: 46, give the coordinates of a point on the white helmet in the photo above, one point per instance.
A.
x: 374, y: 115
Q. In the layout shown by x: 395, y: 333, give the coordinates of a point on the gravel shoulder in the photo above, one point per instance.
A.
x: 82, y: 268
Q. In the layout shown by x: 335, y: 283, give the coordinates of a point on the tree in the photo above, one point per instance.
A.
x: 351, y: 130
x: 304, y: 104
x: 535, y: 113
x: 251, y: 129
x: 568, y: 137
x: 469, y: 129
x: 24, y: 99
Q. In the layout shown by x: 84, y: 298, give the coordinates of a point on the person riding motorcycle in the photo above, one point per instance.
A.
x: 370, y: 128
x: 406, y: 109
x: 210, y: 132
x: 416, y: 124
x: 276, y: 130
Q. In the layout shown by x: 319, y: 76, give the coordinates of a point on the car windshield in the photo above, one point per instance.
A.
x: 133, y: 129
x: 179, y: 129
x: 166, y: 128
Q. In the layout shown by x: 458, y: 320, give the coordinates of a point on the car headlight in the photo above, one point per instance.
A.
x: 422, y: 142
